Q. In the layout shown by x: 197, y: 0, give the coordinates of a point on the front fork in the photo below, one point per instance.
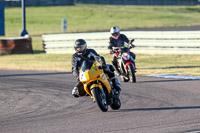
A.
x: 103, y: 95
x: 129, y: 62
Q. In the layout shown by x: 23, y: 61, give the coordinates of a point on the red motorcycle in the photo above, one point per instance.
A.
x: 125, y: 63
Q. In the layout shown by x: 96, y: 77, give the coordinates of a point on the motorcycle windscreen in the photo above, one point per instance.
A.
x: 89, y: 71
x: 86, y: 65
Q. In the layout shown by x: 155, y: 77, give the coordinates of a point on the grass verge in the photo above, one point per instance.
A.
x: 146, y: 64
x: 90, y: 18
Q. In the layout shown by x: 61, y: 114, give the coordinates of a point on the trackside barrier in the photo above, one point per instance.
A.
x: 17, y: 45
x: 146, y: 42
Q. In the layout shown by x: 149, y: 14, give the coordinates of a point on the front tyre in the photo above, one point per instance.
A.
x: 131, y: 72
x: 100, y: 98
x: 116, y: 104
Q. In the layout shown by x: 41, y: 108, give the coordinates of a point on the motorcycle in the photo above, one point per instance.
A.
x: 97, y: 85
x: 125, y: 63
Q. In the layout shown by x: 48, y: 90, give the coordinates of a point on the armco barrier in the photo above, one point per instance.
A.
x: 146, y: 42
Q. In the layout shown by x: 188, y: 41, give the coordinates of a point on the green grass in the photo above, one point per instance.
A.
x: 89, y: 18
x: 173, y: 64
x: 85, y: 18
x: 146, y: 64
x: 51, y: 62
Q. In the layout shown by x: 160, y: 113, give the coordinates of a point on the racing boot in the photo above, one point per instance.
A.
x: 75, y: 92
x: 133, y: 61
x: 116, y: 68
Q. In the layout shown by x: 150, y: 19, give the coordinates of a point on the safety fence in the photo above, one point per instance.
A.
x: 140, y: 2
x: 146, y: 42
x: 39, y: 2
x: 101, y: 2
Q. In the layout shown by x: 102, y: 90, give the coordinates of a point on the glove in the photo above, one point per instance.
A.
x: 132, y: 41
x: 104, y: 67
x: 99, y: 60
x: 132, y: 46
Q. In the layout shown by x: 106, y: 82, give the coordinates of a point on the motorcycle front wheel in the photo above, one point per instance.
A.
x: 116, y: 103
x: 100, y: 98
x: 131, y: 71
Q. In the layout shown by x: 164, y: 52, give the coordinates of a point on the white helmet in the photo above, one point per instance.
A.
x: 115, y: 32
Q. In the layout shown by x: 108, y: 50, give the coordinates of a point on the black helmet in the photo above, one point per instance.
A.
x: 80, y: 46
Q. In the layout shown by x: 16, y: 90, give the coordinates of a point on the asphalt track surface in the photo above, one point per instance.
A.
x: 41, y: 102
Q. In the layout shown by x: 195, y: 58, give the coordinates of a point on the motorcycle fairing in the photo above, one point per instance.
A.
x: 128, y: 63
x: 93, y: 86
x: 126, y: 56
x: 91, y: 74
x: 116, y: 54
x: 88, y: 71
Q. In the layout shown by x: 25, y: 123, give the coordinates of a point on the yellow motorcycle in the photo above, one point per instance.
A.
x: 97, y: 84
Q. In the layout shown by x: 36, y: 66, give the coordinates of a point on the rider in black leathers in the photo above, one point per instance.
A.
x: 118, y: 40
x: 82, y: 52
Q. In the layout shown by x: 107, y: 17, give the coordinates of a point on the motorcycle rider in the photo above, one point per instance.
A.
x: 118, y: 40
x: 81, y: 52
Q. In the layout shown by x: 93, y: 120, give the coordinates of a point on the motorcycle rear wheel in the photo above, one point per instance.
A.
x: 132, y: 76
x: 100, y: 99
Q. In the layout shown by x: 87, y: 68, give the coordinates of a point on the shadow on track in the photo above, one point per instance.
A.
x: 34, y: 74
x: 162, y: 108
x: 173, y: 67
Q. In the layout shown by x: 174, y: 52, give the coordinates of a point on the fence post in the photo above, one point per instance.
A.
x: 24, y: 31
x: 64, y: 24
x: 2, y: 19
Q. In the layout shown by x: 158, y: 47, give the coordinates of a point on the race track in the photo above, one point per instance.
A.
x: 41, y: 102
